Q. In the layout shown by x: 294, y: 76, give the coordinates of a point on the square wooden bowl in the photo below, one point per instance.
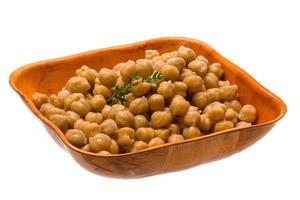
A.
x: 51, y: 75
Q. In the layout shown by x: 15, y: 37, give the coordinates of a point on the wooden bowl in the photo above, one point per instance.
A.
x: 51, y: 75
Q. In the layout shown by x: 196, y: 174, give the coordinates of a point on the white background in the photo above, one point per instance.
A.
x: 262, y: 38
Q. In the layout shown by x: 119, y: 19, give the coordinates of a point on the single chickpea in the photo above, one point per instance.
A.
x: 39, y: 99
x: 167, y: 56
x: 89, y: 74
x: 94, y: 117
x: 178, y: 62
x: 247, y: 113
x: 78, y: 84
x: 140, y: 121
x: 125, y: 136
x: 185, y: 73
x: 70, y: 99
x: 214, y: 94
x: 138, y: 146
x: 175, y: 138
x: 124, y: 119
x: 86, y: 148
x: 191, y: 132
x: 53, y: 110
x: 103, y: 90
x: 179, y: 106
x: 56, y: 100
x: 114, y: 147
x: 144, y: 134
x: 224, y: 83
x: 223, y: 125
x: 72, y: 118
x: 76, y: 137
x: 144, y: 67
x: 105, y: 111
x: 140, y: 88
x: 199, y: 67
x: 114, y: 110
x: 191, y: 118
x: 229, y: 92
x: 157, y: 65
x: 242, y: 124
x: 44, y: 107
x: 90, y: 129
x: 155, y: 142
x: 108, y: 77
x: 161, y: 119
x: 174, y: 129
x: 128, y: 70
x: 81, y: 107
x: 211, y: 80
x: 80, y: 124
x: 61, y: 121
x: 104, y: 153
x: 162, y: 133
x: 99, y: 142
x: 194, y: 83
x: 166, y: 89
x: 180, y: 88
x: 202, y: 58
x: 156, y: 102
x: 216, y: 68
x: 215, y: 112
x: 234, y: 104
x: 204, y: 123
x: 129, y: 98
x: 139, y: 105
x: 200, y: 99
x: 170, y: 72
x: 186, y: 53
x: 231, y: 115
x: 108, y: 127
x: 149, y: 54
x: 97, y: 103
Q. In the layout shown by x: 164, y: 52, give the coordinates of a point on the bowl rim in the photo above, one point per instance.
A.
x: 16, y: 73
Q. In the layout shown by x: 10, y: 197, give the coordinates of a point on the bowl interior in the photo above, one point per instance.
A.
x: 50, y: 76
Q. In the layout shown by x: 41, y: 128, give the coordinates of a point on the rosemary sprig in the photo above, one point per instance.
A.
x: 118, y: 94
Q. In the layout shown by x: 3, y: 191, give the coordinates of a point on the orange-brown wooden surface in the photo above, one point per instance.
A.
x: 51, y: 75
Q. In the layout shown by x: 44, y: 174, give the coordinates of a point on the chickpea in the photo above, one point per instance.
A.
x: 104, y: 153
x: 178, y: 62
x: 61, y: 121
x: 128, y: 70
x: 157, y: 65
x: 90, y: 129
x: 119, y: 81
x: 76, y: 137
x: 144, y: 134
x: 64, y: 93
x: 162, y: 133
x: 242, y: 124
x: 186, y: 53
x: 56, y: 101
x: 223, y: 125
x: 201, y: 99
x: 81, y: 107
x: 215, y: 112
x: 211, y: 80
x: 234, y: 104
x: 114, y: 110
x: 53, y: 110
x: 105, y: 111
x: 97, y: 103
x: 149, y: 54
x: 223, y: 83
x: 155, y: 142
x: 78, y: 84
x: 70, y: 99
x: 247, y: 113
x: 204, y: 123
x: 38, y: 99
x: 108, y: 77
x: 174, y: 129
x: 109, y: 127
x: 138, y: 146
x: 44, y: 107
x: 216, y: 68
x: 140, y: 121
x: 114, y: 147
x: 89, y: 74
x: 170, y: 72
x: 193, y: 108
x: 185, y: 73
x: 100, y: 89
x: 141, y: 88
x: 144, y: 67
x: 179, y: 106
x: 139, y: 105
x: 86, y: 148
x: 180, y: 88
x: 72, y: 118
x: 129, y: 98
x: 202, y: 58
x: 80, y: 124
x: 125, y: 136
x: 191, y: 132
x: 94, y: 117
x: 199, y: 67
x: 229, y: 92
x: 161, y: 119
x: 214, y: 94
x: 156, y: 102
x: 175, y: 138
x: 100, y: 142
x: 194, y: 83
x: 231, y: 115
x: 124, y: 119
x: 167, y: 56
x: 166, y: 89
x: 191, y: 118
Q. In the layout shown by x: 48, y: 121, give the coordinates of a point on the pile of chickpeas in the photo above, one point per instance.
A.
x: 193, y: 99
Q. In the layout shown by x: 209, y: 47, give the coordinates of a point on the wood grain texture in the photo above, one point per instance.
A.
x: 51, y: 75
